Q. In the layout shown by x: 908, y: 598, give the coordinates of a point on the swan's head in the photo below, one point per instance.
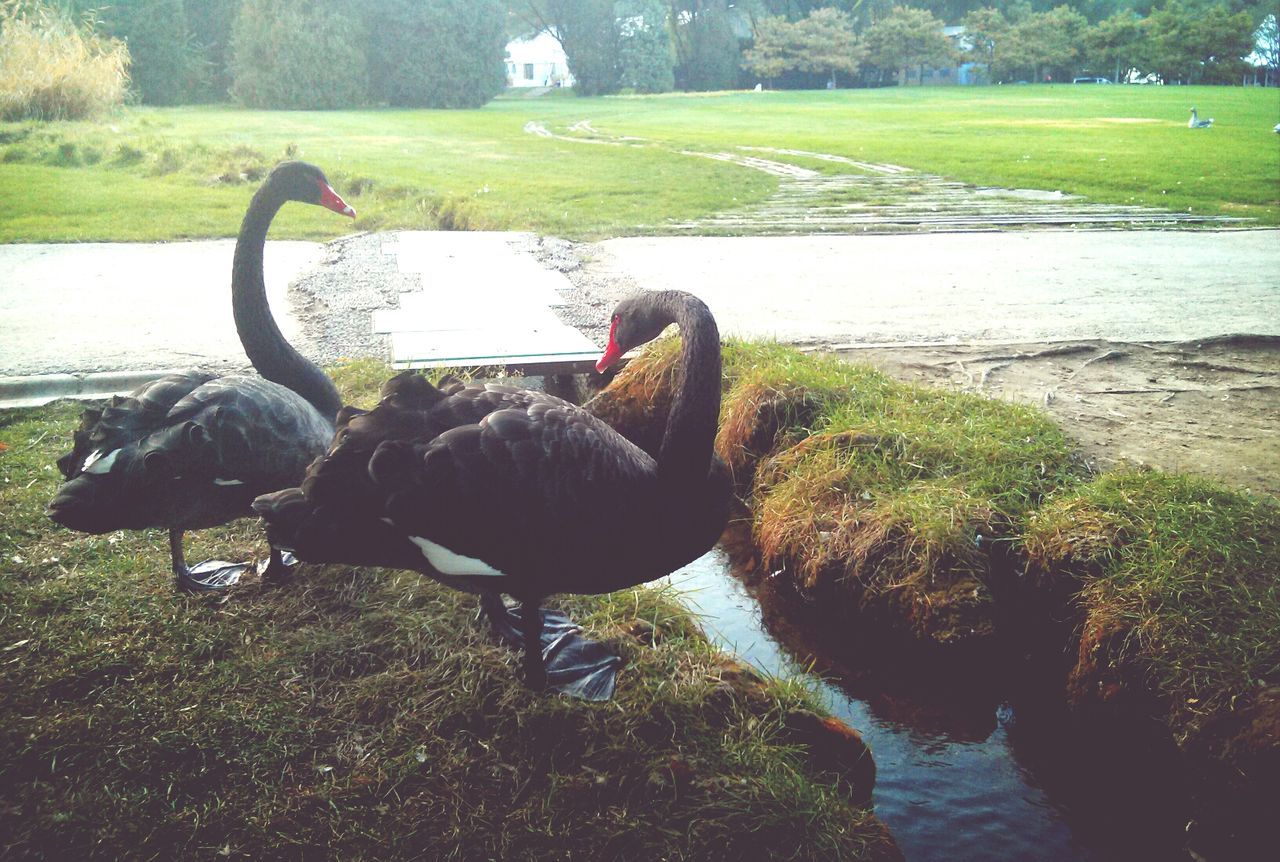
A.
x: 165, y: 478
x: 299, y: 181
x: 637, y: 320
x: 102, y: 494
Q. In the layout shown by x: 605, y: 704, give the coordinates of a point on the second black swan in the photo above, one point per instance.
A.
x: 496, y: 490
x: 193, y: 450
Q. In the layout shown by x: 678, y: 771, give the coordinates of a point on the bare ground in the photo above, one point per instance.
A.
x: 1208, y: 408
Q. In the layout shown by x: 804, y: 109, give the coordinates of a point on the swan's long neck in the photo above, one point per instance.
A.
x: 689, y: 440
x: 273, y: 357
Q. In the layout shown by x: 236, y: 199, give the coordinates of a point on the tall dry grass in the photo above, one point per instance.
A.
x: 54, y: 68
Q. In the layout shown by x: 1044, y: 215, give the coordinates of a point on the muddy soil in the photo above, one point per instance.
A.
x: 1209, y: 408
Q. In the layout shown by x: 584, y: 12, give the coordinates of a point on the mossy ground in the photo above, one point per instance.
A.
x: 362, y: 713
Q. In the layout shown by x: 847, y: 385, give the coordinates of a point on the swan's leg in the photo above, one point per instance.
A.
x: 570, y: 663
x: 507, y: 626
x: 535, y: 673
x: 176, y: 557
x: 279, y: 568
x: 209, y: 576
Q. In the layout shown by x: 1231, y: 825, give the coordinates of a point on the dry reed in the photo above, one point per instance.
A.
x: 52, y: 68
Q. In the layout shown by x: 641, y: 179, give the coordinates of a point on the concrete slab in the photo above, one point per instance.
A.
x: 131, y: 306
x: 966, y: 287
x: 484, y: 300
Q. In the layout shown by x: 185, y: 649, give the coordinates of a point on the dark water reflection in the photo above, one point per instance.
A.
x: 960, y: 777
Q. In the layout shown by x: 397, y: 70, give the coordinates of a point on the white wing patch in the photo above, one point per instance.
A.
x: 227, y: 482
x: 447, y: 562
x: 98, y: 462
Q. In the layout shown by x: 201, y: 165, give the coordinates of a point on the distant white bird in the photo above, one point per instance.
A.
x: 1196, y: 123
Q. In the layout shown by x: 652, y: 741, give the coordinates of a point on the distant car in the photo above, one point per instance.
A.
x: 1091, y: 80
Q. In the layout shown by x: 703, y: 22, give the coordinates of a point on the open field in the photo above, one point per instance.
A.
x: 486, y: 169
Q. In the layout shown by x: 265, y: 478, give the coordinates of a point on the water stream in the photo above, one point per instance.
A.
x: 956, y: 780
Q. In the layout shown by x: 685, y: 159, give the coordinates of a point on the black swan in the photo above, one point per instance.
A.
x: 492, y: 489
x: 193, y: 450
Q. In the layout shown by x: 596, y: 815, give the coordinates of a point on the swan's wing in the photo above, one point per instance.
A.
x: 337, y: 514
x: 411, y: 410
x: 243, y: 430
x: 516, y: 486
x: 127, y: 420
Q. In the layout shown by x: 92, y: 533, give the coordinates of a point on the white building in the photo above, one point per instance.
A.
x: 537, y: 62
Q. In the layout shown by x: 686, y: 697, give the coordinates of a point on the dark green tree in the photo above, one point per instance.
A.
x: 210, y: 23
x: 830, y: 44
x: 905, y: 39
x: 988, y: 34
x: 1114, y: 44
x: 708, y: 52
x: 169, y: 66
x: 1197, y: 46
x: 1046, y: 45
x: 435, y: 53
x: 305, y: 54
x: 774, y: 49
x: 645, y: 61
x: 823, y: 42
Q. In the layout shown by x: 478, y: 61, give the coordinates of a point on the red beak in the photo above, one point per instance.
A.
x: 329, y: 199
x: 613, y: 352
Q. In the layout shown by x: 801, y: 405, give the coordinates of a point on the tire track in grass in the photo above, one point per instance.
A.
x: 883, y: 198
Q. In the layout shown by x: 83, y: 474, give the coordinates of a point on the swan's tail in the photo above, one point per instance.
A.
x: 331, y: 533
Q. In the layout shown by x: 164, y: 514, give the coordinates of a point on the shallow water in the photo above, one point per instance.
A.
x: 957, y: 780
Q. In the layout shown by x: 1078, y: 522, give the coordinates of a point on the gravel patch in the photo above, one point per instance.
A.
x: 335, y: 301
x: 594, y: 292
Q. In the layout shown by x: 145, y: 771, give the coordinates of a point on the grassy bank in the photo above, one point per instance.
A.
x: 363, y: 714
x: 882, y: 500
x: 1177, y: 585
x: 1176, y: 607
x: 1149, y: 601
x: 484, y: 169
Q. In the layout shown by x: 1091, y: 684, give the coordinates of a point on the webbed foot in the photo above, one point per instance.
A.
x: 570, y: 663
x: 278, y: 568
x: 210, y: 576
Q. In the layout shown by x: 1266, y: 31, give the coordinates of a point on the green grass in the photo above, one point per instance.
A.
x: 1186, y: 570
x: 361, y: 714
x: 869, y: 492
x: 170, y: 173
x: 888, y: 493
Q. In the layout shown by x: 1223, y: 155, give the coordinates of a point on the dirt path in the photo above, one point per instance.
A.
x: 1209, y: 408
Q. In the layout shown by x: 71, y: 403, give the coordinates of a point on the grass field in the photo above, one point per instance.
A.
x: 363, y: 713
x: 150, y: 174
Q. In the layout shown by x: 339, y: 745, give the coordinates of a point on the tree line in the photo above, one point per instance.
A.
x: 450, y: 53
